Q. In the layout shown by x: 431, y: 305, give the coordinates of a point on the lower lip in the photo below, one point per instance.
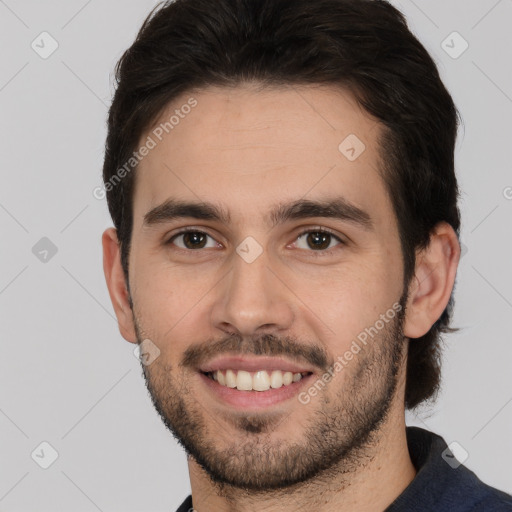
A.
x: 254, y: 399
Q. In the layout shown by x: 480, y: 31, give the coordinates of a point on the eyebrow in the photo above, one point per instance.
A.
x: 337, y: 208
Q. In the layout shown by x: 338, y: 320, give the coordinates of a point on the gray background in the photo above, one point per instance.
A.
x: 68, y: 377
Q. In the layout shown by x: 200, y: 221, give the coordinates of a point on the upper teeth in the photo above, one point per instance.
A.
x: 257, y: 381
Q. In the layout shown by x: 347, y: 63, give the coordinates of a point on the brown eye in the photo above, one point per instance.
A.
x: 319, y: 240
x: 191, y: 240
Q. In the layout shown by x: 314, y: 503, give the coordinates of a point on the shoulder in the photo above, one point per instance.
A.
x: 444, y: 483
x: 493, y: 499
x: 470, y: 494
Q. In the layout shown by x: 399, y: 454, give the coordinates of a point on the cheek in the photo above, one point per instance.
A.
x: 350, y: 297
x: 169, y: 305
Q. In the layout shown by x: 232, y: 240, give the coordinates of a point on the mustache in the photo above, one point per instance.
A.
x: 264, y: 345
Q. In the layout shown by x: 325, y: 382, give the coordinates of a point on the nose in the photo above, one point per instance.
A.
x: 252, y: 299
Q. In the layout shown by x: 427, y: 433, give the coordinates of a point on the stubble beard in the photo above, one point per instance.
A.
x: 248, y: 452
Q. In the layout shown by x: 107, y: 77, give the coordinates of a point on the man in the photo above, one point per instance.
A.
x: 281, y: 179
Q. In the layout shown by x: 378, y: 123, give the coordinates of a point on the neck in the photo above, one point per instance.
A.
x: 380, y: 475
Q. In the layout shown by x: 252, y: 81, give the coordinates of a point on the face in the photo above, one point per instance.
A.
x: 295, y: 267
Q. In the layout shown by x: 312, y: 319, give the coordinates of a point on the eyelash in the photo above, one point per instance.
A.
x: 325, y: 231
x: 319, y: 229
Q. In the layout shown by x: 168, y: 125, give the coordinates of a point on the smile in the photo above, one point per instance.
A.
x: 260, y: 380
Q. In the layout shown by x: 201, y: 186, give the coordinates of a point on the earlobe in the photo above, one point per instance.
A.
x: 432, y: 284
x: 116, y: 284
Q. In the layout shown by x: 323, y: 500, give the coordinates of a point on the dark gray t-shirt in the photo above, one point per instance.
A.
x: 438, y: 486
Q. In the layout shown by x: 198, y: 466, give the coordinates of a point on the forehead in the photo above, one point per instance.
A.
x: 249, y: 148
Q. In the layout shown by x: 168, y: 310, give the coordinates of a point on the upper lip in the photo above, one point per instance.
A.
x: 252, y: 364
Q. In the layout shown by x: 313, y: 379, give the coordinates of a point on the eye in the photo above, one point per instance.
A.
x: 191, y: 239
x: 318, y: 239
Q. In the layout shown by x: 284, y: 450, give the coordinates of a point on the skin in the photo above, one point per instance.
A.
x: 247, y: 150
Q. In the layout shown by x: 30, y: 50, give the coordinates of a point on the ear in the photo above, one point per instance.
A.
x: 116, y: 284
x: 432, y: 284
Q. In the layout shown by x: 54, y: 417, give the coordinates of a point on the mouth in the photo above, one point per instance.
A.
x: 260, y: 380
x: 250, y: 383
x: 253, y: 392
